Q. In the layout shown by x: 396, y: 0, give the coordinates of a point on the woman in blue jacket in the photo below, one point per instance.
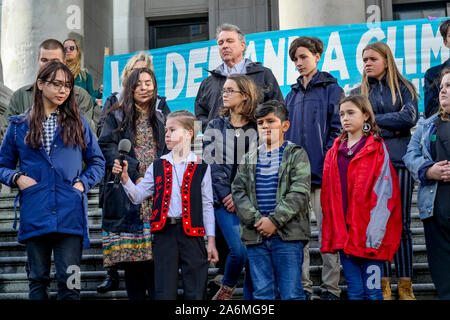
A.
x: 51, y: 141
x: 313, y: 105
x: 227, y: 138
x: 394, y: 102
x: 428, y: 159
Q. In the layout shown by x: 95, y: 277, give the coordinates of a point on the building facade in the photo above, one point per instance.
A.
x: 131, y: 25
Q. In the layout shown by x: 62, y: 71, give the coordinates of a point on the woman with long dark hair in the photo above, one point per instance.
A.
x: 138, y: 117
x: 51, y: 141
x: 394, y: 102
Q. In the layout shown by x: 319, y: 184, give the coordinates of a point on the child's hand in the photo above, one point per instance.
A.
x: 228, y: 203
x: 265, y: 227
x: 117, y: 169
x: 213, y: 255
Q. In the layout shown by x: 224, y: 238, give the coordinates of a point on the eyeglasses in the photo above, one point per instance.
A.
x: 58, y: 85
x: 69, y: 48
x: 229, y: 91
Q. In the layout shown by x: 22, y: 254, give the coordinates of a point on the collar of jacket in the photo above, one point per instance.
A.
x: 375, y: 80
x: 253, y: 156
x: 250, y: 67
x: 319, y: 78
x: 370, y: 146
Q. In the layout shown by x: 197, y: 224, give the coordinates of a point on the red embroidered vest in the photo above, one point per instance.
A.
x: 191, y: 196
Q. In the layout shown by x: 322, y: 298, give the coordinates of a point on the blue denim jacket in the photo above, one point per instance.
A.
x: 417, y: 154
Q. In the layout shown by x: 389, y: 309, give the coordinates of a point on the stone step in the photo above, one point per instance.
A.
x: 18, y: 282
x: 10, y: 247
x: 10, y: 235
x: 7, y: 217
x: 94, y: 262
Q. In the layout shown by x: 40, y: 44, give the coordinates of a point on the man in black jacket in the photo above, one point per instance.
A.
x: 433, y: 76
x: 231, y: 43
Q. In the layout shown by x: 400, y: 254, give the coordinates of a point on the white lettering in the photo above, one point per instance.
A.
x: 73, y: 22
x: 365, y: 39
x: 250, y: 52
x: 374, y: 280
x: 391, y: 42
x: 434, y: 43
x: 177, y: 60
x: 291, y: 71
x: 409, y: 34
x: 338, y: 64
x: 115, y: 78
x: 214, y: 58
x: 74, y: 280
x: 373, y: 21
x: 275, y: 61
x: 196, y: 56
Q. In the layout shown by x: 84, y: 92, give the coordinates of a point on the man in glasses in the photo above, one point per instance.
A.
x: 231, y: 43
x: 22, y: 99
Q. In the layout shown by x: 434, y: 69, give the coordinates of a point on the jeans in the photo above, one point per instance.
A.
x: 67, y: 250
x: 363, y: 277
x: 237, y: 257
x: 276, y: 267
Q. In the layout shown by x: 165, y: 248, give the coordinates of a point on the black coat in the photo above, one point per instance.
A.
x: 431, y: 88
x: 119, y: 213
x: 209, y: 96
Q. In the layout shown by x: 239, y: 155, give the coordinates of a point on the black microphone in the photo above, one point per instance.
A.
x: 123, y: 148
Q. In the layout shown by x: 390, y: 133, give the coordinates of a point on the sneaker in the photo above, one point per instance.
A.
x: 327, y: 295
x: 224, y: 293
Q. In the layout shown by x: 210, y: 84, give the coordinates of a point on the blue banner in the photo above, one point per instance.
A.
x: 416, y: 45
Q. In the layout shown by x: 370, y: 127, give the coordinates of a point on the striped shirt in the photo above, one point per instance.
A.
x: 267, y: 179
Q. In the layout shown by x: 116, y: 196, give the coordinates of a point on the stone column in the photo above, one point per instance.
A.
x: 25, y: 24
x: 307, y: 13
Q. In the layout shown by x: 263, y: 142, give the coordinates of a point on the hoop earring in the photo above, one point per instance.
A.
x: 366, y: 127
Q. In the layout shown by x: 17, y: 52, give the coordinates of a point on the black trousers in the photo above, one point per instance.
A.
x: 139, y: 280
x: 403, y: 259
x: 173, y: 250
x: 437, y: 239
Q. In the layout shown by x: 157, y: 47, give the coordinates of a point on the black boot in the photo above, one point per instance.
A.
x: 111, y: 282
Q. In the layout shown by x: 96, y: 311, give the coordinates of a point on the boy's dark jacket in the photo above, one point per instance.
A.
x: 314, y: 118
x: 291, y: 215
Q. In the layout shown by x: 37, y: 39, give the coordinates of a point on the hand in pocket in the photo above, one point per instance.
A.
x: 25, y: 182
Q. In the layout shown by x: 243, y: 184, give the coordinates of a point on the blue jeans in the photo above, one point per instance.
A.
x: 276, y: 267
x: 363, y: 277
x: 67, y: 250
x: 237, y: 257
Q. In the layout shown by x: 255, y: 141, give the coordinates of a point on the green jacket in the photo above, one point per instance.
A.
x: 291, y: 215
x: 22, y: 100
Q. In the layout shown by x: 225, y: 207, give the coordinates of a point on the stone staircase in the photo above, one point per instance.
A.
x: 14, y: 283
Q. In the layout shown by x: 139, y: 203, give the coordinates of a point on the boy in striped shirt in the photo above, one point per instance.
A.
x: 271, y: 194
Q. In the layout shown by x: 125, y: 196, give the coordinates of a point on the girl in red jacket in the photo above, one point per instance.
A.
x: 360, y: 201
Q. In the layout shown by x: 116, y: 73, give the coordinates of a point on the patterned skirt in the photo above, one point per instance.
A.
x: 129, y: 247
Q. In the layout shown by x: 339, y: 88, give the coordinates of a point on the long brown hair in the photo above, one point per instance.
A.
x: 248, y: 88
x: 393, y: 76
x: 128, y: 106
x: 364, y: 105
x: 69, y: 119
